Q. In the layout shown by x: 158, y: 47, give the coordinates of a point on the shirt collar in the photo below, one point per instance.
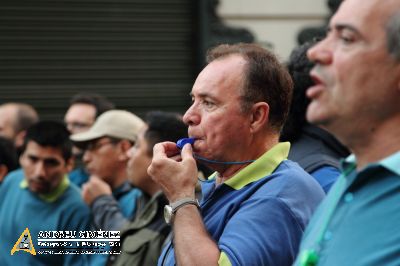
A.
x: 122, y: 189
x: 55, y: 194
x: 260, y: 168
x: 392, y: 162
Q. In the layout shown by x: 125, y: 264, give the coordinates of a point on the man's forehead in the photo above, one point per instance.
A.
x: 81, y: 111
x: 365, y: 12
x: 201, y: 94
x: 226, y: 72
x: 43, y: 152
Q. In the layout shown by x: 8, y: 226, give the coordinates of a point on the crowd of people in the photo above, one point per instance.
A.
x: 304, y: 160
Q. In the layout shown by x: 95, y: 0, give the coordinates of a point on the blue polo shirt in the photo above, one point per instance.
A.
x: 357, y: 223
x: 257, y: 216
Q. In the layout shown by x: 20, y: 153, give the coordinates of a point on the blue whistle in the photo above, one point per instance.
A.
x: 180, y: 143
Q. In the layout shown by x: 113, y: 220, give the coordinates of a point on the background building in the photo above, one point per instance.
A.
x: 275, y: 24
x: 141, y: 54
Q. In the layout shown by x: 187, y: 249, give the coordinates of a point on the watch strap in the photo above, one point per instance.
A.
x: 182, y: 202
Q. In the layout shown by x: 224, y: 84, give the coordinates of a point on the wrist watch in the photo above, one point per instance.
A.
x: 170, y: 210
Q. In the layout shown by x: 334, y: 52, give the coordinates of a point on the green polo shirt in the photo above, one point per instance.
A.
x: 357, y: 222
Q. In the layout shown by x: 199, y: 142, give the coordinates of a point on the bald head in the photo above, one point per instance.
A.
x: 16, y: 118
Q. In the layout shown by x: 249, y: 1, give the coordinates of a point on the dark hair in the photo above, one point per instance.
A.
x: 393, y: 35
x: 163, y: 126
x: 50, y: 134
x: 100, y: 103
x: 8, y: 154
x: 266, y: 80
x: 299, y: 67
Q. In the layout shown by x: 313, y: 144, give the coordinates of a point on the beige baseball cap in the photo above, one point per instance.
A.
x: 118, y: 124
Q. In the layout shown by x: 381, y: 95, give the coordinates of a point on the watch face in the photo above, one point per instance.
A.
x: 167, y: 213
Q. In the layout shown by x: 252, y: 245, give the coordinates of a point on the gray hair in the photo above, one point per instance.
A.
x: 393, y: 35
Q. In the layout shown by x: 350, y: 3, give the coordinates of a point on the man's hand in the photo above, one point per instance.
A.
x: 176, y: 174
x: 94, y: 188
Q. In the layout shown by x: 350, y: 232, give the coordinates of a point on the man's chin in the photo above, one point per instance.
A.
x: 38, y: 187
x: 315, y: 114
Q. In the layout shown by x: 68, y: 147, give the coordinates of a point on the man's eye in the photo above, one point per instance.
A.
x: 33, y: 159
x: 208, y: 103
x: 346, y: 37
x: 51, y: 162
x: 346, y: 40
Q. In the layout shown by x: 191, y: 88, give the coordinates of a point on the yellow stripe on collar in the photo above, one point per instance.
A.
x: 224, y: 260
x: 260, y: 168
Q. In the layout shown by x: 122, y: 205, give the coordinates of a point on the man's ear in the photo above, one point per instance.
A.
x: 19, y: 138
x: 259, y: 116
x: 124, y: 146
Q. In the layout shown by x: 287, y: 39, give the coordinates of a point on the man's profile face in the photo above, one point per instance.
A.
x: 355, y: 75
x: 139, y: 161
x: 215, y: 117
x: 44, y: 167
x: 101, y: 158
x: 80, y: 117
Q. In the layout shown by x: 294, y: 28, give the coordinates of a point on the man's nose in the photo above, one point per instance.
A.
x: 129, y: 152
x: 191, y: 117
x: 321, y: 53
x: 86, y: 156
x: 39, y: 169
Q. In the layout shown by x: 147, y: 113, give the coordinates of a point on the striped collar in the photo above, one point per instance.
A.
x: 263, y: 166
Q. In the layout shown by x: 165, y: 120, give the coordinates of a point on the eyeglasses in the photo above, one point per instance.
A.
x: 93, y: 146
x: 77, y: 125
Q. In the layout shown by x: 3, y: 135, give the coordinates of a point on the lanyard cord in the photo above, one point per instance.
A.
x: 219, y: 162
x: 310, y: 257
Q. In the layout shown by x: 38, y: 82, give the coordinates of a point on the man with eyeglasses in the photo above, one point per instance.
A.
x: 83, y: 110
x: 108, y: 191
x: 105, y: 145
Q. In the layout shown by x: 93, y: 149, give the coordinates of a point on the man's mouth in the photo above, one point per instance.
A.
x: 313, y: 91
x: 38, y: 184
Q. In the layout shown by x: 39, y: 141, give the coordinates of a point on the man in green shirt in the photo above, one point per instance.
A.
x: 356, y: 97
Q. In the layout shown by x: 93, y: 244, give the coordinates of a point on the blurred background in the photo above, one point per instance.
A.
x: 141, y: 54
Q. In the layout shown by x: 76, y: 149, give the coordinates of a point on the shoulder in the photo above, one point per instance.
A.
x: 72, y: 200
x: 294, y: 188
x: 11, y: 183
x: 289, y: 175
x: 131, y: 195
x: 15, y: 176
x: 326, y: 176
x: 78, y: 176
